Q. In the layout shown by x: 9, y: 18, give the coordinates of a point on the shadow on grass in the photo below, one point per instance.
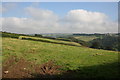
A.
x: 106, y: 71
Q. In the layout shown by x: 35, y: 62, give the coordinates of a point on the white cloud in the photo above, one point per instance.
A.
x: 41, y: 21
x: 89, y: 22
x: 46, y: 21
x: 40, y: 14
x: 85, y: 16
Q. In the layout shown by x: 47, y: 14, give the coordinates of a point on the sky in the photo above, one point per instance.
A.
x: 60, y: 0
x: 59, y: 17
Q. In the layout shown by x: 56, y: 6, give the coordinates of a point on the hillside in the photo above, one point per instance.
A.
x: 79, y: 62
x: 86, y: 38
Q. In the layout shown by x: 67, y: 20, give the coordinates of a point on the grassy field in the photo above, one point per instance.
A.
x: 50, y: 40
x: 86, y: 38
x: 83, y: 61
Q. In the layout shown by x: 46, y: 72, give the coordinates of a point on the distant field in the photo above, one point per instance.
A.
x: 86, y: 62
x: 86, y: 38
x: 50, y: 40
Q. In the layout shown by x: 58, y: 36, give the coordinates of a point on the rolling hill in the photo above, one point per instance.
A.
x: 79, y: 62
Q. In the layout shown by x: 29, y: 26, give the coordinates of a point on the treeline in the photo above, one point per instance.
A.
x: 12, y: 35
x: 16, y: 35
x: 107, y: 43
x: 95, y: 34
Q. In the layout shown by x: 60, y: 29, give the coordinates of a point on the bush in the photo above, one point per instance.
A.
x: 38, y: 35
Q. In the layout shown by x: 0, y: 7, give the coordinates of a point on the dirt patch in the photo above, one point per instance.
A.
x: 14, y: 68
x: 48, y: 69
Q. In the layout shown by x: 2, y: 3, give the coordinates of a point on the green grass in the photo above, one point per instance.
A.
x: 69, y: 57
x: 86, y: 38
x: 51, y: 40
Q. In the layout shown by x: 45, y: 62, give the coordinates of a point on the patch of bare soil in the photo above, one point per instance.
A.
x: 48, y: 69
x: 14, y: 68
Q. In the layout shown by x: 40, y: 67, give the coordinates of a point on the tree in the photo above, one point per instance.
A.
x: 38, y: 35
x: 95, y: 45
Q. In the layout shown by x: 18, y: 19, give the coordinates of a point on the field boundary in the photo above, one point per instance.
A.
x: 47, y: 41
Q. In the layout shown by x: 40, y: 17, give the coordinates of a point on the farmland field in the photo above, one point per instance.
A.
x: 79, y: 62
x: 86, y: 38
x: 51, y: 40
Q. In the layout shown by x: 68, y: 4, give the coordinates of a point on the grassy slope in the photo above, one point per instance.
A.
x: 51, y: 40
x: 86, y: 38
x: 70, y: 57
